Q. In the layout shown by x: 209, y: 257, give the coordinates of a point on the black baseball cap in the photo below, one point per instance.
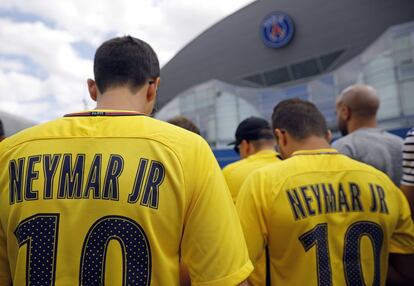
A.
x: 252, y: 128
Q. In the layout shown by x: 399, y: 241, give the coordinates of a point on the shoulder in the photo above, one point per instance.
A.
x: 363, y: 170
x: 345, y: 140
x: 276, y: 173
x: 393, y: 137
x: 345, y: 145
x: 37, y: 132
x: 233, y: 166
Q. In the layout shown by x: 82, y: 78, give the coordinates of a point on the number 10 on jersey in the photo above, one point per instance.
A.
x: 318, y: 237
x: 40, y: 233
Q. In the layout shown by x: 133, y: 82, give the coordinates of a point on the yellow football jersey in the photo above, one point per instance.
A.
x: 106, y: 197
x: 235, y: 173
x: 325, y: 219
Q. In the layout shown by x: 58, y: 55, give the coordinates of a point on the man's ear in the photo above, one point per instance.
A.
x: 345, y: 112
x: 152, y: 90
x: 328, y: 136
x: 93, y: 90
x: 280, y: 137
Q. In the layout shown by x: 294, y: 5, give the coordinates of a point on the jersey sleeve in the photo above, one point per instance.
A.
x: 252, y: 211
x: 5, y: 276
x: 213, y: 247
x: 230, y: 180
x: 402, y: 240
x: 408, y: 160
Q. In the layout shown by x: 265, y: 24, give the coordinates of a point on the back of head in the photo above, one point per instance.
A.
x: 253, y: 129
x: 361, y: 99
x: 124, y: 61
x: 300, y: 118
x: 185, y: 123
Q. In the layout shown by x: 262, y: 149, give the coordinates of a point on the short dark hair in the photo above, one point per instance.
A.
x: 300, y: 118
x: 185, y: 123
x: 124, y: 61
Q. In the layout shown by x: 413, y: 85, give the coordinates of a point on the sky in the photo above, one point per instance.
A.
x: 47, y: 46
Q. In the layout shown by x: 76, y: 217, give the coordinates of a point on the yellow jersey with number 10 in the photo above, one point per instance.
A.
x: 112, y: 198
x: 326, y: 220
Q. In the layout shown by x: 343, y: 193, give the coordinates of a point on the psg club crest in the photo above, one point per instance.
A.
x: 277, y: 30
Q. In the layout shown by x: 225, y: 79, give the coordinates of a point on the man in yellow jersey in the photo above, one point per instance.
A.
x: 112, y: 196
x: 325, y: 219
x: 255, y: 143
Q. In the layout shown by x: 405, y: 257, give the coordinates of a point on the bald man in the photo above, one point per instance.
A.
x: 356, y: 109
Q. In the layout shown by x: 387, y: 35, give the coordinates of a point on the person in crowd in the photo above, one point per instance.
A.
x: 322, y: 217
x: 185, y: 123
x: 356, y: 109
x: 112, y: 196
x: 407, y: 181
x: 255, y: 143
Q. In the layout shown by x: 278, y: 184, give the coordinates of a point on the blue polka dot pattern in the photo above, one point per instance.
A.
x: 40, y: 233
x: 353, y: 269
x: 137, y: 254
x: 319, y: 236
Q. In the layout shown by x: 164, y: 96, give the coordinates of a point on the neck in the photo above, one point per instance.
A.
x: 266, y: 148
x: 356, y: 124
x: 121, y: 98
x: 311, y: 143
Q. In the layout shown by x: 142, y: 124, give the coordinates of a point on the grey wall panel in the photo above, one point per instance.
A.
x: 233, y: 49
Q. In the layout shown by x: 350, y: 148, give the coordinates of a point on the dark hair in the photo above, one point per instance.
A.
x: 300, y: 118
x: 124, y: 61
x: 185, y: 123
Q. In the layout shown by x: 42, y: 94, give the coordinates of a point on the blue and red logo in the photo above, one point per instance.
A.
x: 277, y: 30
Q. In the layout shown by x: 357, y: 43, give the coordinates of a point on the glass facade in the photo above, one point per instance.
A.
x: 387, y: 65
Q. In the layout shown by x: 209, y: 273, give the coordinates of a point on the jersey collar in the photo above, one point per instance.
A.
x: 98, y: 112
x: 326, y: 151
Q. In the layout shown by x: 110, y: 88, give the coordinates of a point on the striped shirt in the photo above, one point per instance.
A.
x: 408, y: 159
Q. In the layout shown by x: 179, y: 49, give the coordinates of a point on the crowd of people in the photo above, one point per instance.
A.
x: 112, y: 196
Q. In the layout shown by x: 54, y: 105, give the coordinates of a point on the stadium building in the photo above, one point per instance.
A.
x: 273, y: 50
x: 13, y: 123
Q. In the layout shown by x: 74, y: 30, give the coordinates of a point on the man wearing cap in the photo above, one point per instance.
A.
x: 256, y: 145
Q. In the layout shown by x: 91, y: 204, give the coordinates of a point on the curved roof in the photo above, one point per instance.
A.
x: 327, y: 33
x: 13, y: 123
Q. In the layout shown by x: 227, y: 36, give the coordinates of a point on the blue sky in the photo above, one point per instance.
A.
x: 48, y: 46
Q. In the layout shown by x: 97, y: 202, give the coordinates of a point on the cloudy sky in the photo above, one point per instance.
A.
x: 47, y: 46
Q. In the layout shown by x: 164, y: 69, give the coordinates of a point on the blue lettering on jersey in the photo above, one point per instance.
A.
x: 31, y: 175
x: 93, y: 183
x: 50, y: 164
x: 111, y: 182
x: 71, y: 177
x: 378, y: 202
x: 79, y: 180
x: 139, y: 180
x: 156, y: 176
x: 149, y: 192
x: 325, y: 198
x: 16, y: 180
